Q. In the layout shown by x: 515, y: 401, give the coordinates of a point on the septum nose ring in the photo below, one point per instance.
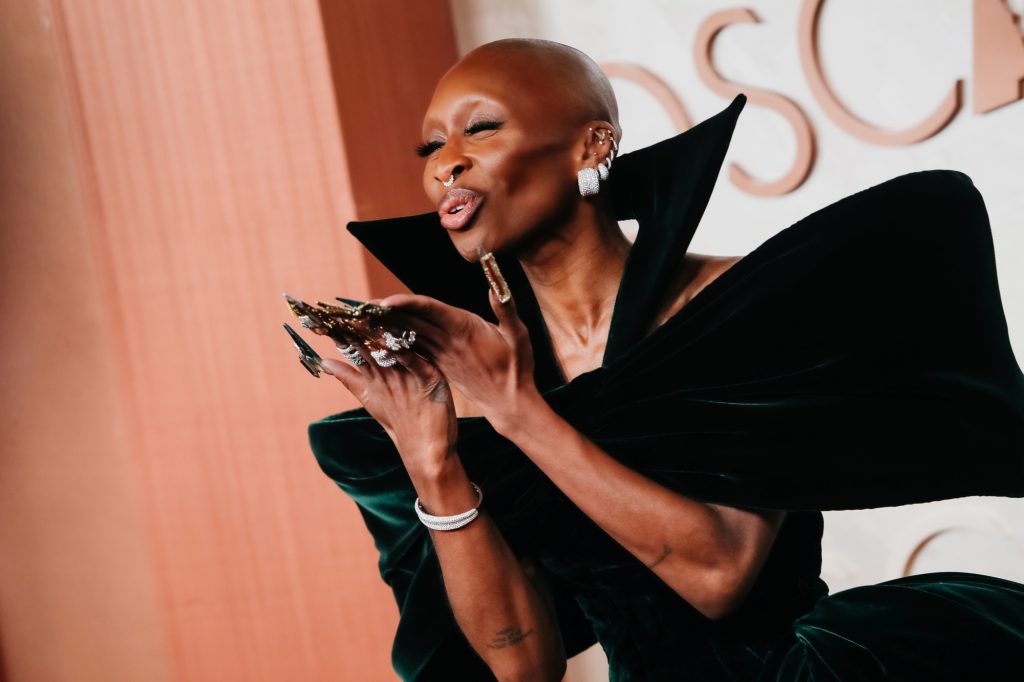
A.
x: 450, y: 181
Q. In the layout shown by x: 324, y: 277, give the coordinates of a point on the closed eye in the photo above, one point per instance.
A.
x: 429, y: 148
x: 483, y: 125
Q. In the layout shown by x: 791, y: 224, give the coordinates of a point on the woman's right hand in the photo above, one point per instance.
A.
x: 411, y: 400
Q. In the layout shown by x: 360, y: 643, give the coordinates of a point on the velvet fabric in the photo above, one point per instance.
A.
x: 858, y: 358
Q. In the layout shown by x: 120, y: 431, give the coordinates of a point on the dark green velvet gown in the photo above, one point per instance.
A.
x: 858, y: 358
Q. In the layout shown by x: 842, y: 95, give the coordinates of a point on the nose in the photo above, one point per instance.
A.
x: 450, y: 163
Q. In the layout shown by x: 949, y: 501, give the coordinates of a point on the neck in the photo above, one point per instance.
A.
x: 575, y: 274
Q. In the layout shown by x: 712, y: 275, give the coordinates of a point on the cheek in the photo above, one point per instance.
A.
x: 548, y: 202
x: 537, y: 194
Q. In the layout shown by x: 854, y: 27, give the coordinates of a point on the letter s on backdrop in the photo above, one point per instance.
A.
x: 787, y: 108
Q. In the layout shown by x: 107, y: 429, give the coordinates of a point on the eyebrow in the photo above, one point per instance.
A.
x: 468, y: 104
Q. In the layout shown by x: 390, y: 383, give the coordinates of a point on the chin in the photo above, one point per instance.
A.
x: 466, y: 246
x: 467, y: 242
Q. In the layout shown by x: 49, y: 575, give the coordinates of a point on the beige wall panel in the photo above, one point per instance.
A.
x: 169, y: 169
x: 78, y: 596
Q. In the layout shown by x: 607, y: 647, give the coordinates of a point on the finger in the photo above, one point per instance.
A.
x: 425, y: 372
x: 426, y: 347
x: 429, y: 337
x: 398, y: 321
x: 354, y: 343
x: 345, y: 372
x: 373, y: 332
x: 426, y: 308
x: 378, y: 358
x: 356, y: 334
x: 507, y: 314
x: 442, y: 325
x: 402, y: 319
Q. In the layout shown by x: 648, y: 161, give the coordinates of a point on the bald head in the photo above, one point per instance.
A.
x: 571, y: 82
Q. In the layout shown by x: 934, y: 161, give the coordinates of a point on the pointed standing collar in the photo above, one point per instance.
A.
x: 665, y: 187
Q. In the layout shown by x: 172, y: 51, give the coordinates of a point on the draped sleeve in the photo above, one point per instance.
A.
x: 859, y: 358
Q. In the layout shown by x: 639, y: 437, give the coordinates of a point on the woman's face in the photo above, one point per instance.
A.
x: 513, y: 154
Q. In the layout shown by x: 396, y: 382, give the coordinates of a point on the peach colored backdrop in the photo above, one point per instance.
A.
x: 168, y: 169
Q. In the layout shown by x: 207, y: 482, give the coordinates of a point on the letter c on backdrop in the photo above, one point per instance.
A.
x: 811, y: 62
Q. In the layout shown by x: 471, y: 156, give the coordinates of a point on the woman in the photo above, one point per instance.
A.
x: 655, y: 431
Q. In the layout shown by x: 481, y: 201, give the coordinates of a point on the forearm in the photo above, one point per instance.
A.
x: 499, y: 608
x: 701, y: 553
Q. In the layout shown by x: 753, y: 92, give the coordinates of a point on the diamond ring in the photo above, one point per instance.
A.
x: 351, y: 353
x: 403, y: 342
x: 382, y: 358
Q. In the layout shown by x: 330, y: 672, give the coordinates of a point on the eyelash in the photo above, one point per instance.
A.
x: 430, y: 147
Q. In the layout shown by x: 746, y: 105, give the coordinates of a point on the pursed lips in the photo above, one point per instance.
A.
x: 458, y: 206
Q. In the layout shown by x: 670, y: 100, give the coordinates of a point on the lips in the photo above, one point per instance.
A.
x: 458, y: 206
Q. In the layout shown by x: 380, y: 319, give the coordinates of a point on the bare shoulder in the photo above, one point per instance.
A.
x: 698, y: 271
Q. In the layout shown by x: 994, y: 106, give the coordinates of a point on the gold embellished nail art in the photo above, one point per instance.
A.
x: 493, y: 274
x: 351, y: 320
x: 355, y: 310
x: 307, y: 356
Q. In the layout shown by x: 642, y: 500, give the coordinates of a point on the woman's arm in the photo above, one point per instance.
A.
x: 709, y: 554
x: 498, y: 602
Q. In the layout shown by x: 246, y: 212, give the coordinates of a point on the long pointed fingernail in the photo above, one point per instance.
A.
x: 307, y: 356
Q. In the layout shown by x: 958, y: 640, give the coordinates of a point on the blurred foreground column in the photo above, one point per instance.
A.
x: 167, y: 170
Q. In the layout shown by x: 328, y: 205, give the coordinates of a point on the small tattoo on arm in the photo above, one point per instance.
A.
x: 508, y: 637
x: 664, y: 553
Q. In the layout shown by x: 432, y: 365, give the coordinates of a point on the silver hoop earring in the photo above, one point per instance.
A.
x: 602, y: 169
x: 588, y: 181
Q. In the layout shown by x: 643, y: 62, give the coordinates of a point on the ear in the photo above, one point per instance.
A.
x: 599, y: 144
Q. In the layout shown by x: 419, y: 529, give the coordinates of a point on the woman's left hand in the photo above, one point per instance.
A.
x: 492, y: 365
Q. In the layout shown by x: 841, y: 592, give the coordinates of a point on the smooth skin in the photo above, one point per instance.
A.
x: 515, y: 120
